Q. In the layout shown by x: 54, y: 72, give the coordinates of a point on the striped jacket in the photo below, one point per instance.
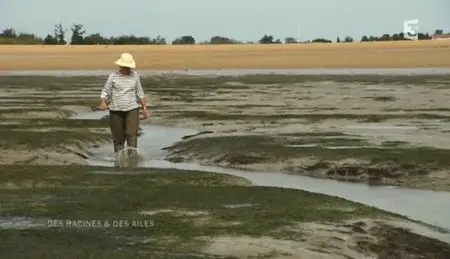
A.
x: 123, y: 91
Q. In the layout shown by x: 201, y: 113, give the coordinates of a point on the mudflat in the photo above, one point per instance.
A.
x: 55, y: 206
x: 374, y: 129
x: 401, y: 54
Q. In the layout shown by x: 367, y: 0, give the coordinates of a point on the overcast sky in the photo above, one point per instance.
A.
x: 238, y: 19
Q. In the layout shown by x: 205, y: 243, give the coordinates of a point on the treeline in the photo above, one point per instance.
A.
x: 9, y: 36
x: 79, y: 37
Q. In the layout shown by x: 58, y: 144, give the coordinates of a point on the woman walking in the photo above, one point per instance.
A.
x: 122, y: 94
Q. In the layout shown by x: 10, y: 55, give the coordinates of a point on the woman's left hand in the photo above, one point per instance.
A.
x: 145, y: 113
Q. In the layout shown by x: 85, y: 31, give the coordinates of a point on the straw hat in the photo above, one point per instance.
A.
x: 126, y: 60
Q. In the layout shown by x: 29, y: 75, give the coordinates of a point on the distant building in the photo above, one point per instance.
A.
x: 441, y: 37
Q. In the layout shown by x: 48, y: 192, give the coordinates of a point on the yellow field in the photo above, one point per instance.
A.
x: 406, y: 54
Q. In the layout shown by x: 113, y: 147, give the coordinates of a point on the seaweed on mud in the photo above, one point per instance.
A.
x: 173, y: 83
x: 40, y: 123
x: 394, y: 242
x: 358, y: 162
x: 276, y: 148
x: 79, y: 192
x: 383, y: 98
x: 151, y: 190
x: 16, y: 139
x: 311, y: 117
x: 266, y: 79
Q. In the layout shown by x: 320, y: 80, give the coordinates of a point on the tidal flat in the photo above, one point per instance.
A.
x: 374, y: 129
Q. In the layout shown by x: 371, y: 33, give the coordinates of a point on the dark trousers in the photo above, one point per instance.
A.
x: 124, y: 127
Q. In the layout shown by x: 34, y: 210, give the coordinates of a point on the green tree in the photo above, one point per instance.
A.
x: 10, y: 36
x: 95, y: 39
x: 269, y: 39
x: 158, y: 41
x: 424, y: 36
x: 220, y: 40
x: 385, y: 37
x: 184, y: 40
x: 290, y: 40
x: 266, y: 39
x: 398, y: 36
x: 348, y: 39
x: 28, y: 38
x: 9, y: 33
x: 130, y: 40
x: 321, y: 40
x: 77, y: 34
x: 439, y: 32
x: 50, y: 40
x: 60, y: 34
x: 338, y: 40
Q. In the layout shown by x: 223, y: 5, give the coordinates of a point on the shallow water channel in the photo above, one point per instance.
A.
x: 427, y: 206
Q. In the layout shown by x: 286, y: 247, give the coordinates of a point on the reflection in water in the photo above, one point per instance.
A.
x: 128, y: 158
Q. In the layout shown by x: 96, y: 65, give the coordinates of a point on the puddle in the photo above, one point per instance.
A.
x: 356, y: 147
x: 338, y: 147
x: 237, y: 206
x: 368, y: 126
x: 304, y: 145
x: 22, y: 223
x: 9, y: 123
x: 236, y: 72
x: 430, y: 207
x: 175, y: 212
